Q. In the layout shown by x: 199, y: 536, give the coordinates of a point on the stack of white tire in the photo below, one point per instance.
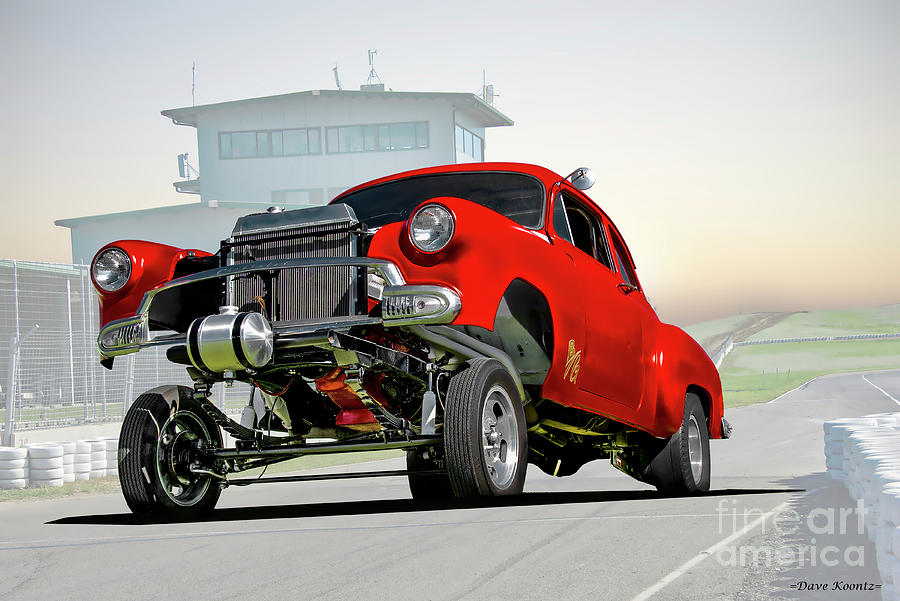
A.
x: 112, y: 460
x: 68, y: 461
x: 82, y: 462
x: 98, y: 458
x: 864, y: 453
x: 13, y: 464
x: 45, y: 465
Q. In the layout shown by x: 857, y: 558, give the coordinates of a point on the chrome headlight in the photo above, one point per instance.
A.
x: 111, y: 269
x: 431, y: 228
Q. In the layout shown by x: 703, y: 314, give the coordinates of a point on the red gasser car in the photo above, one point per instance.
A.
x: 482, y: 317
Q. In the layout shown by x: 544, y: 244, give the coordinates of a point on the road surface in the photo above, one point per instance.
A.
x: 596, y: 535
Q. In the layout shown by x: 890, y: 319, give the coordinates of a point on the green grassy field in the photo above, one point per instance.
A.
x: 91, y: 487
x: 759, y: 373
x: 847, y: 322
x: 715, y: 328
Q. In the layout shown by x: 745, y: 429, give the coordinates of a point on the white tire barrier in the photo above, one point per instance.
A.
x: 13, y: 468
x: 11, y: 453
x: 45, y: 465
x: 15, y: 473
x: 82, y: 462
x: 11, y: 484
x: 54, y: 464
x: 98, y: 458
x: 44, y: 450
x: 864, y: 454
x: 51, y: 474
x: 68, y: 461
x: 112, y: 460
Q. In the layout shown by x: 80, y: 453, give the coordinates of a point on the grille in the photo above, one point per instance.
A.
x: 300, y: 294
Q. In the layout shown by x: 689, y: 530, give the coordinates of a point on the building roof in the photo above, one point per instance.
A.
x: 173, y: 209
x: 474, y: 105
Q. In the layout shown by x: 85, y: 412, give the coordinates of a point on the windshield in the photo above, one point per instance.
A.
x: 514, y: 195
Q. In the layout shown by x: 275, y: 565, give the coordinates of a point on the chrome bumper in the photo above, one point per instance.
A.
x: 727, y: 428
x: 404, y: 305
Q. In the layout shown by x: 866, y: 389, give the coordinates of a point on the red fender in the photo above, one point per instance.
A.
x: 683, y: 364
x: 152, y: 265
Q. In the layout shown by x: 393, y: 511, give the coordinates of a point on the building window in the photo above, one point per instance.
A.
x: 269, y: 143
x: 469, y: 144
x: 377, y: 137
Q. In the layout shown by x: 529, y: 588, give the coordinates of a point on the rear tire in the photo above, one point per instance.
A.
x: 156, y: 447
x: 682, y: 465
x: 427, y: 487
x: 485, y: 438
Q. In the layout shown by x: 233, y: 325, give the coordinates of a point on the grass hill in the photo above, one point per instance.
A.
x: 761, y: 372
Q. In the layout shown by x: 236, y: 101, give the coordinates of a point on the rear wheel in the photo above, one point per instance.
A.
x: 485, y: 438
x: 426, y: 487
x: 682, y: 466
x: 159, y: 451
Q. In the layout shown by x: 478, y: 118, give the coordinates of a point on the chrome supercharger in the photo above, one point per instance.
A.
x: 230, y: 341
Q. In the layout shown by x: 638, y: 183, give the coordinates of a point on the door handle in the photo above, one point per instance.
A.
x: 626, y: 288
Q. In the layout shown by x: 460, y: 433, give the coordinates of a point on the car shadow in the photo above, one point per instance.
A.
x: 350, y: 508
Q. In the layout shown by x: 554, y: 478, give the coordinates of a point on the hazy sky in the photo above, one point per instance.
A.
x: 748, y: 151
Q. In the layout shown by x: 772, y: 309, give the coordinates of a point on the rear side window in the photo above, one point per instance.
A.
x: 622, y: 264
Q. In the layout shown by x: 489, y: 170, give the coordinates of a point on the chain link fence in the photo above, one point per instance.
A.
x: 49, y: 320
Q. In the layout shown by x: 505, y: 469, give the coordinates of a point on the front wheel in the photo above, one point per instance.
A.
x: 160, y: 448
x: 682, y: 465
x: 485, y: 439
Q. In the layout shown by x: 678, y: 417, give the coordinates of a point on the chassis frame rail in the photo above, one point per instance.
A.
x: 323, y: 448
x: 339, y: 476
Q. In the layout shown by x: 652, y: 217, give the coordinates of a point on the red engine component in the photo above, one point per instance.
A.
x: 353, y: 412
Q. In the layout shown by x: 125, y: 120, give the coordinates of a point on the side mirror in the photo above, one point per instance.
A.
x: 582, y: 178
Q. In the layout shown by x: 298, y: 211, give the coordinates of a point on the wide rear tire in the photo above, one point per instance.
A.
x: 682, y: 465
x: 157, y: 444
x: 426, y: 487
x: 485, y: 438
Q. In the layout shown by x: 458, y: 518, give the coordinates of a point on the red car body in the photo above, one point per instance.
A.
x: 480, y: 316
x: 631, y: 367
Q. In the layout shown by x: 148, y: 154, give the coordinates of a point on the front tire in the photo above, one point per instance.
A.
x: 682, y: 466
x: 485, y: 438
x: 157, y: 447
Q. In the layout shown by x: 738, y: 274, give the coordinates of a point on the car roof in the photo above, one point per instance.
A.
x: 547, y: 176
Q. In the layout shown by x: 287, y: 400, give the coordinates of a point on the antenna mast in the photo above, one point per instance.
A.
x: 193, y: 80
x: 337, y: 79
x: 372, y: 73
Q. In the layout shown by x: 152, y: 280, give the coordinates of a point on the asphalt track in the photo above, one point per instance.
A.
x: 595, y: 535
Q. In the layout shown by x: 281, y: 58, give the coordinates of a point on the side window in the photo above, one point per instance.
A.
x: 560, y: 221
x: 603, y: 253
x: 622, y: 263
x: 582, y: 226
